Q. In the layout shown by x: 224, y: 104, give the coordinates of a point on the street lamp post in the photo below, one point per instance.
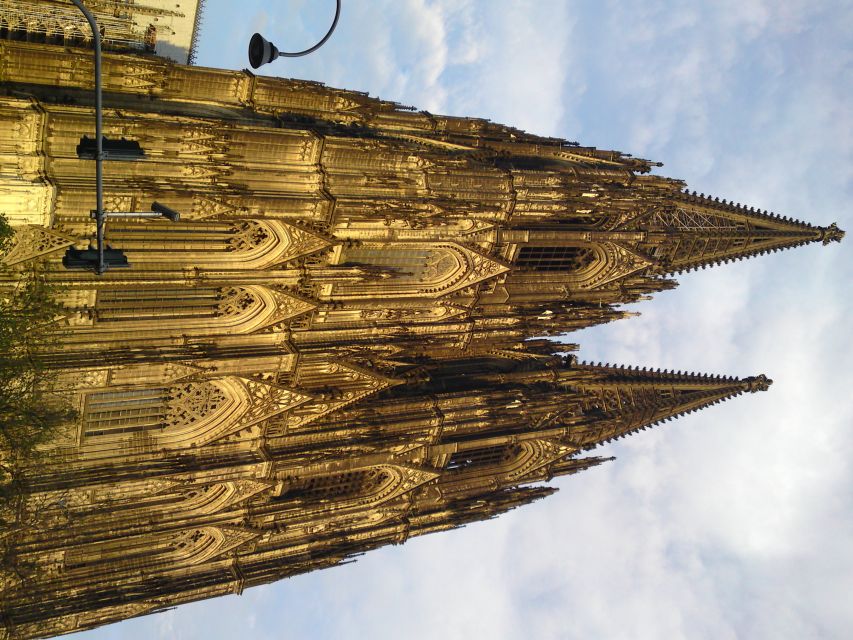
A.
x: 262, y: 51
x: 99, y: 136
x: 103, y: 257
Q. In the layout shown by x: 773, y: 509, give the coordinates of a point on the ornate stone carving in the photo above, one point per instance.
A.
x: 620, y: 263
x: 212, y: 207
x: 360, y: 383
x: 235, y: 301
x: 33, y: 242
x: 235, y: 432
x: 480, y: 269
x: 249, y: 236
x: 537, y: 454
x: 193, y: 401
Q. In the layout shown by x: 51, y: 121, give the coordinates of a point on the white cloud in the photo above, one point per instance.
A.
x: 734, y: 522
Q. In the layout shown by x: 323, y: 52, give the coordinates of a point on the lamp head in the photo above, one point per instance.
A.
x: 166, y: 212
x: 261, y: 51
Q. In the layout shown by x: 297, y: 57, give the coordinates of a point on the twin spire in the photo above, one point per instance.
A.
x: 627, y: 399
x: 689, y: 232
x: 696, y: 231
x: 683, y: 232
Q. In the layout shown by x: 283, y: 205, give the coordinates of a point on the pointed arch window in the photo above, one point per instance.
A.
x: 161, y: 241
x: 416, y: 264
x: 238, y: 244
x: 128, y: 411
x: 158, y: 304
x: 122, y: 412
x: 199, y: 311
x: 483, y: 457
x: 410, y: 269
x: 555, y: 258
x: 336, y: 486
x: 136, y: 552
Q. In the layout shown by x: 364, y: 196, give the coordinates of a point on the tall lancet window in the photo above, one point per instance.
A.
x: 197, y: 310
x: 129, y: 411
x: 336, y: 486
x: 121, y: 412
x: 417, y: 264
x: 159, y: 238
x: 158, y: 304
x: 483, y: 457
x: 555, y: 258
x: 404, y: 268
x: 240, y: 244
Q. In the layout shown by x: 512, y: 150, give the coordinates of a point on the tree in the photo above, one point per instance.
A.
x: 31, y: 411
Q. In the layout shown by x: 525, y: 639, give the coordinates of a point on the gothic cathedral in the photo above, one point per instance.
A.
x: 344, y: 340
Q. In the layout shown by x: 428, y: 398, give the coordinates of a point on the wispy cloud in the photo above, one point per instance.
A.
x: 734, y: 522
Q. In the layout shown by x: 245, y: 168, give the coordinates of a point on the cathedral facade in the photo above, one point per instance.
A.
x: 167, y: 28
x: 344, y: 340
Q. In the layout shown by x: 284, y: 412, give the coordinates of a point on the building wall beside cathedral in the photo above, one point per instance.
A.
x: 169, y: 29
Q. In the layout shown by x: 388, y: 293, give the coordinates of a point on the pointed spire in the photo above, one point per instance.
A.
x: 571, y: 466
x: 697, y: 231
x: 474, y: 508
x: 496, y: 502
x: 626, y: 399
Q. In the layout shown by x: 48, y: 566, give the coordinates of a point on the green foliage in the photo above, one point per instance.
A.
x: 30, y: 410
x: 6, y: 234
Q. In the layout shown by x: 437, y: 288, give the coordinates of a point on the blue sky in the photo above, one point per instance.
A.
x: 733, y: 523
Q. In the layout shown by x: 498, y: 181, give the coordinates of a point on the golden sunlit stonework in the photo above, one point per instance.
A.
x: 169, y: 28
x: 340, y: 345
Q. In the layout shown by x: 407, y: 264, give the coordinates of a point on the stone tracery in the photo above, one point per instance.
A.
x: 339, y: 346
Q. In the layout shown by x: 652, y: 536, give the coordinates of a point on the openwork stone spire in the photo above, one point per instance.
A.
x: 632, y: 399
x: 699, y: 231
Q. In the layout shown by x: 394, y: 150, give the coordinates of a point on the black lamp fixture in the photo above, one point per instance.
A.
x: 91, y: 259
x: 110, y: 149
x: 102, y: 257
x: 262, y: 51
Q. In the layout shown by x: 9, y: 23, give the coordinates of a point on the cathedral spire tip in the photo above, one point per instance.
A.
x: 831, y: 234
x: 708, y: 231
x: 757, y: 383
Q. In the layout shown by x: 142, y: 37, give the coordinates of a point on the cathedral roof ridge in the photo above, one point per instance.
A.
x: 196, y: 32
x: 718, y: 261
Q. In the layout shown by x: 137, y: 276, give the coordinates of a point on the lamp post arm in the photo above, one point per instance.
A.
x: 262, y: 51
x: 297, y: 54
x: 99, y: 137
